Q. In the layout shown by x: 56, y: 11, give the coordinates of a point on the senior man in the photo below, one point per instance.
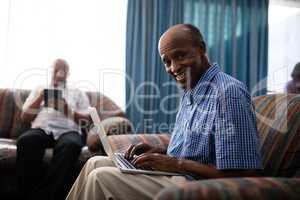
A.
x: 215, y: 133
x: 53, y: 126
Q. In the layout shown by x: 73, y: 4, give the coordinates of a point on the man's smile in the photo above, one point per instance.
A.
x: 180, y: 76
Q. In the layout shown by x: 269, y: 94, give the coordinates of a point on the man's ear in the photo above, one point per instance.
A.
x: 203, y: 47
x: 201, y: 50
x: 68, y: 73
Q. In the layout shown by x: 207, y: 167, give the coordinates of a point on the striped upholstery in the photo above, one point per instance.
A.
x: 105, y: 106
x: 236, y: 188
x: 278, y: 121
x: 10, y: 107
x: 120, y: 143
x: 11, y: 102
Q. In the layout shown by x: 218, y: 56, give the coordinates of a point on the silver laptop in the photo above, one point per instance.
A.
x: 118, y: 158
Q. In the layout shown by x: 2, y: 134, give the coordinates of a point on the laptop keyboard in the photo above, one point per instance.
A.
x: 124, y: 162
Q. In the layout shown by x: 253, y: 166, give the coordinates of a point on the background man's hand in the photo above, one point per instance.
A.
x: 157, y: 161
x: 140, y: 148
x: 40, y: 94
x: 32, y: 107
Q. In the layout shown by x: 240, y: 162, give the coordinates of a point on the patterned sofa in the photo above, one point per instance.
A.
x: 278, y: 118
x: 11, y: 101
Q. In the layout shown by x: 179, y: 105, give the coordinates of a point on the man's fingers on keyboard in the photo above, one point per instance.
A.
x: 136, y: 158
x: 145, y: 166
x: 128, y: 151
x: 141, y: 158
x: 135, y: 148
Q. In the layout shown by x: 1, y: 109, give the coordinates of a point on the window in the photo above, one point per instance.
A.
x: 89, y: 34
x: 284, y: 42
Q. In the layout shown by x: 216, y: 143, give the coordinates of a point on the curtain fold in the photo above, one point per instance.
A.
x: 236, y: 33
x: 151, y: 95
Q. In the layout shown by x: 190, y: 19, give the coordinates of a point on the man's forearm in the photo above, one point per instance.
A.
x: 28, y: 117
x: 209, y: 171
x: 29, y: 113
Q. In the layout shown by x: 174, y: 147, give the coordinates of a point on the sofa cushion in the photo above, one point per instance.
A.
x: 11, y: 102
x: 7, y: 154
x: 278, y: 118
x: 112, y: 126
x: 104, y: 105
x: 235, y: 188
x: 120, y: 143
x: 117, y: 126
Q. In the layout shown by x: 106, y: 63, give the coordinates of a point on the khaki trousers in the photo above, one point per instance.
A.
x: 100, y: 179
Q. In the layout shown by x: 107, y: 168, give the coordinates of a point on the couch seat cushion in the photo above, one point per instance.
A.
x: 120, y: 143
x: 7, y: 154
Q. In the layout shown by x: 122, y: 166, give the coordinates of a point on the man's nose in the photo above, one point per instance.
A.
x: 174, y: 67
x: 60, y: 74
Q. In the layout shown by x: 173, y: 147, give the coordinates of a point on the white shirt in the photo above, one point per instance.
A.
x: 53, y: 121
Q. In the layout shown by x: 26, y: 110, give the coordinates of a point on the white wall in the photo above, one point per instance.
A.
x: 89, y: 34
x: 284, y: 44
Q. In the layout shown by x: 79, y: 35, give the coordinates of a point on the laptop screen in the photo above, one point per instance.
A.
x: 99, y: 129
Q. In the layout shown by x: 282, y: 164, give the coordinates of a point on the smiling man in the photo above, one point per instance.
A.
x: 215, y: 133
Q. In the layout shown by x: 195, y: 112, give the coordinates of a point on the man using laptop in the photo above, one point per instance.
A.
x: 215, y: 133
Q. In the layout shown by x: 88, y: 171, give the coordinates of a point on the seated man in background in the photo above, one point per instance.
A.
x: 52, y: 126
x: 215, y: 133
x: 293, y: 86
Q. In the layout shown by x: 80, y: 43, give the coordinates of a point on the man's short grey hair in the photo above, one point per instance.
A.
x: 61, y: 61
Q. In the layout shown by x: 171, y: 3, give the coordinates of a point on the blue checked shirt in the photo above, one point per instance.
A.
x: 216, y: 124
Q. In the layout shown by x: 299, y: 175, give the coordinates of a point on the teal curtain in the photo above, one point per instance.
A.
x: 236, y: 32
x: 151, y: 95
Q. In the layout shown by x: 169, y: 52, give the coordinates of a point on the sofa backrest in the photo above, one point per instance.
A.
x: 278, y: 121
x: 11, y: 102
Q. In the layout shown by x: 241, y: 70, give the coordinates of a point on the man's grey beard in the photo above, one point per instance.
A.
x: 60, y: 84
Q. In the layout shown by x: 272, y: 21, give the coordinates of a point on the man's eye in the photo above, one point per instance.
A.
x: 167, y: 63
x: 180, y: 57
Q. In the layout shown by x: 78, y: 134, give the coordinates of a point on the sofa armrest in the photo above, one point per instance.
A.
x: 117, y: 126
x: 235, y: 188
x: 120, y: 143
x: 112, y: 126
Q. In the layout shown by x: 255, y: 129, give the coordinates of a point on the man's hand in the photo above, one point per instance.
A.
x: 32, y: 108
x: 157, y: 161
x: 40, y: 94
x: 140, y: 148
